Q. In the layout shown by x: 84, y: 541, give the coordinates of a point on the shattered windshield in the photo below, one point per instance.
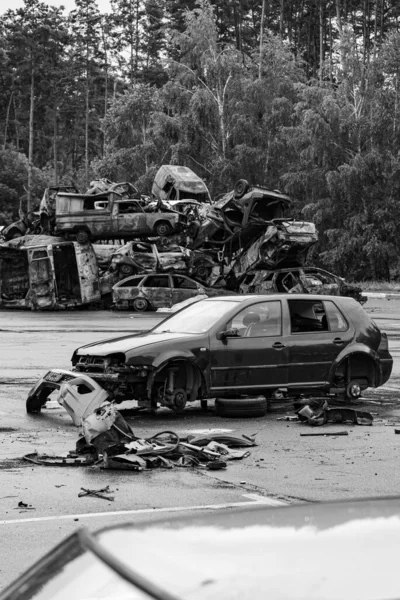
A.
x: 196, y: 318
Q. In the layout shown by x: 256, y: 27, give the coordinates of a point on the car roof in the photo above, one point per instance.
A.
x: 247, y: 298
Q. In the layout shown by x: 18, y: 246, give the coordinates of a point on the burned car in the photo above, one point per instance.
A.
x: 299, y: 280
x: 238, y: 217
x: 43, y: 272
x: 175, y: 183
x: 109, y: 216
x: 285, y: 242
x: 27, y: 224
x: 141, y: 257
x: 243, y: 345
x: 154, y: 290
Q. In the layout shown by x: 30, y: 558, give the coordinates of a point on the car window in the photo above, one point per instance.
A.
x: 258, y: 320
x: 307, y: 316
x: 159, y: 281
x: 336, y: 320
x: 129, y: 208
x: 182, y: 283
x: 131, y: 282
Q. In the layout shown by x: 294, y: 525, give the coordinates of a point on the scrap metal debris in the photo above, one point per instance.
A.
x: 326, y: 415
x: 324, y: 433
x: 98, y: 493
x: 108, y: 442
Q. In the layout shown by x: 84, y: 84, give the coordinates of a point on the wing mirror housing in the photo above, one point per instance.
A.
x: 228, y: 333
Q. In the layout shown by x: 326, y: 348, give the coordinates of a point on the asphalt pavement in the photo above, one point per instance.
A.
x: 283, y: 468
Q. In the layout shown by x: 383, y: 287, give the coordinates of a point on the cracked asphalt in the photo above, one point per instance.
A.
x: 284, y: 467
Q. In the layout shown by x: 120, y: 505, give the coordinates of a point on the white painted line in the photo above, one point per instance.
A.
x: 255, y: 500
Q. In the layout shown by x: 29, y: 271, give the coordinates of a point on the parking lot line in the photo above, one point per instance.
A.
x: 254, y: 500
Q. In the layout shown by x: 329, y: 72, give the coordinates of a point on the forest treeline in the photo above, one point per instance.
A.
x: 297, y: 95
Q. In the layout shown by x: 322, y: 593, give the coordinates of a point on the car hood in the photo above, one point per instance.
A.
x: 314, y: 551
x: 128, y: 343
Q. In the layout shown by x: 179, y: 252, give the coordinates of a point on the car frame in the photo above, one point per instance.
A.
x: 143, y: 296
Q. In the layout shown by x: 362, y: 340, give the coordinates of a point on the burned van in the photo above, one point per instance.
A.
x: 43, y: 272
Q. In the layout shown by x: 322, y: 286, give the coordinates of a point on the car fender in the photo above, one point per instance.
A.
x: 355, y: 349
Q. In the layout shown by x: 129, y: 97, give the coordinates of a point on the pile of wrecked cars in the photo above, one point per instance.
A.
x: 174, y: 244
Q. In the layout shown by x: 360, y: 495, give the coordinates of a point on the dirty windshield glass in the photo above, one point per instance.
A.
x: 196, y: 318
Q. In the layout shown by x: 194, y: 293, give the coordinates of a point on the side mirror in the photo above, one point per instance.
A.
x: 223, y: 335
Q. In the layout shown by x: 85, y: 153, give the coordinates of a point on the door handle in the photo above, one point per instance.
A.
x: 338, y: 341
x: 278, y: 345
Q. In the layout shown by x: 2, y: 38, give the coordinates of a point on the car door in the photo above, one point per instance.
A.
x: 318, y: 333
x: 41, y: 278
x: 158, y: 290
x: 130, y: 219
x: 256, y: 359
x: 183, y: 288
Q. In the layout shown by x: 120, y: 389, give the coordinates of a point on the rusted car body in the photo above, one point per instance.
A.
x: 88, y: 217
x: 173, y: 182
x: 43, y: 272
x: 283, y: 243
x: 299, y: 280
x: 244, y: 345
x: 238, y: 218
x: 153, y: 291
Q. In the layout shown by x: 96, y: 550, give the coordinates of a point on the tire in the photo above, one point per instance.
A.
x: 82, y: 237
x: 353, y: 390
x: 34, y: 403
x: 127, y: 269
x: 240, y: 188
x: 163, y: 229
x: 203, y: 272
x: 241, y: 407
x: 140, y: 304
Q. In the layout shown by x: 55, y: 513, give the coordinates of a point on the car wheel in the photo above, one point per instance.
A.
x: 140, y: 304
x: 203, y: 272
x: 193, y: 229
x: 163, y: 229
x: 353, y: 390
x: 82, y: 236
x: 240, y: 188
x: 127, y: 269
x: 241, y: 407
x: 178, y: 401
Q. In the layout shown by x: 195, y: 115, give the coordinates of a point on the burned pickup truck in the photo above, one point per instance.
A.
x: 43, y: 272
x: 109, y: 216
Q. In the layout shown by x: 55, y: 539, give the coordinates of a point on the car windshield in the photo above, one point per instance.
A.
x: 196, y: 318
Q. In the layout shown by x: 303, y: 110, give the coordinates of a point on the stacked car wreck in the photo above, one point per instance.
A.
x: 112, y: 245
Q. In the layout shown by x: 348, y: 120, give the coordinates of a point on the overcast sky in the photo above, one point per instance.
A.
x: 104, y: 5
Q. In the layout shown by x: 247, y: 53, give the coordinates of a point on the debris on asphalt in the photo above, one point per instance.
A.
x: 324, y: 433
x: 25, y: 506
x: 325, y: 415
x: 397, y: 430
x: 97, y: 493
x: 108, y: 442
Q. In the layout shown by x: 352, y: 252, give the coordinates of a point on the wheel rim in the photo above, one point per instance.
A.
x: 162, y: 230
x: 179, y: 400
x: 140, y: 304
x: 126, y: 269
x: 354, y: 390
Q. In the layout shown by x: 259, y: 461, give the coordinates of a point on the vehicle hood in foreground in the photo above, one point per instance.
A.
x: 315, y: 551
x: 128, y: 342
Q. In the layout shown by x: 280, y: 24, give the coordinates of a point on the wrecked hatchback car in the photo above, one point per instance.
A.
x: 109, y: 216
x: 153, y: 291
x: 299, y: 280
x: 238, y: 217
x: 244, y: 344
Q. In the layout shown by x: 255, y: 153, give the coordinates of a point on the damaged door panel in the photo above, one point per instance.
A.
x: 88, y: 273
x: 14, y: 278
x: 42, y: 279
